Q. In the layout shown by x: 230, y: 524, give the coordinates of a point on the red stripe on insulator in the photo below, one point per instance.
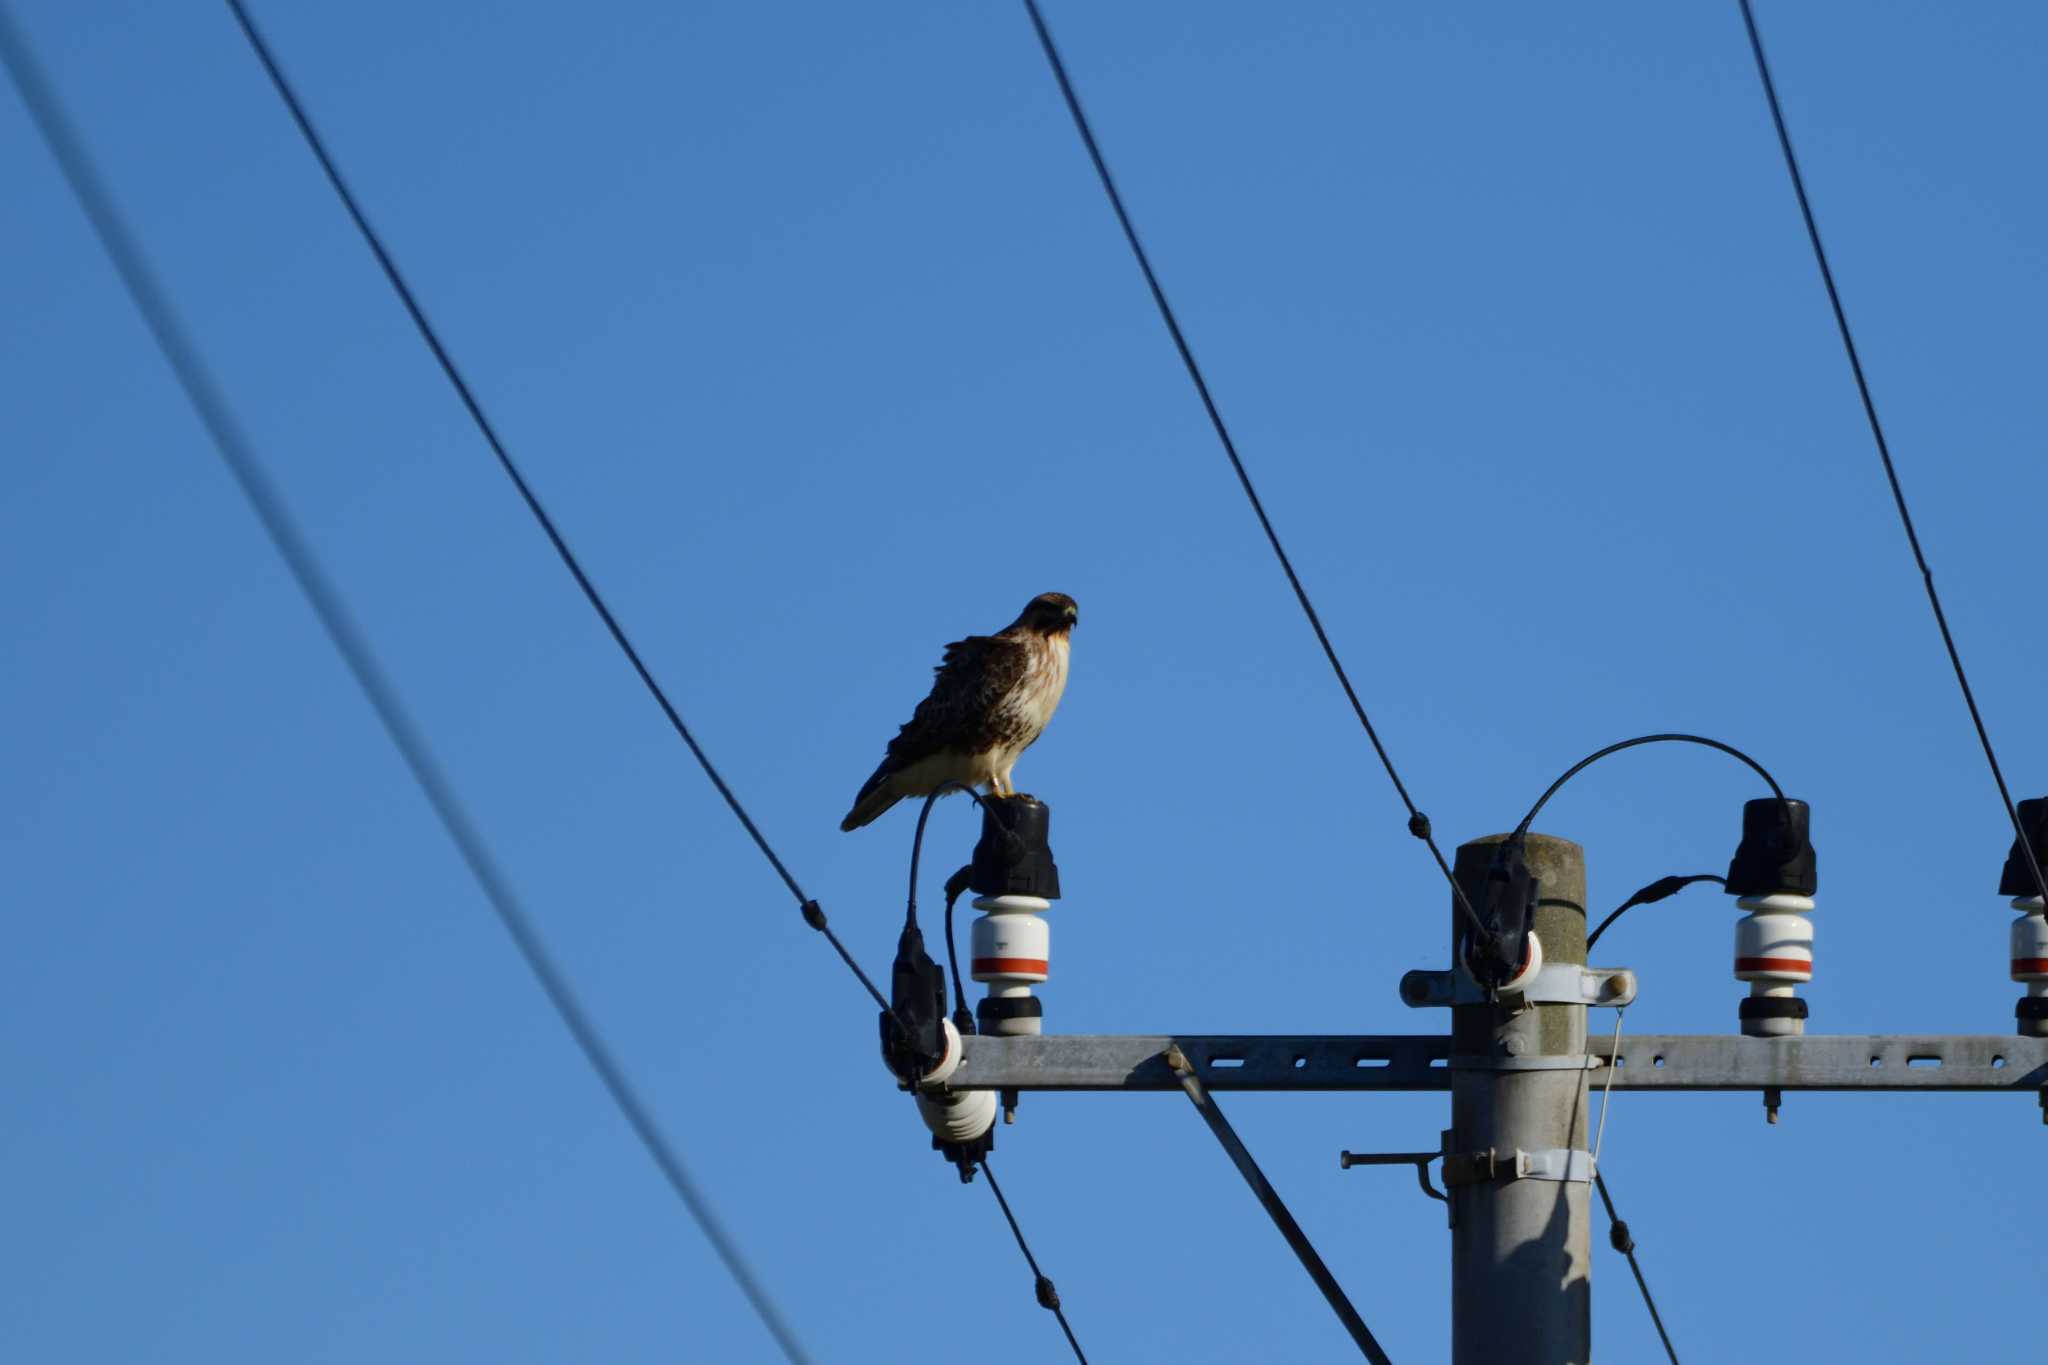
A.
x: 2036, y: 965
x: 1034, y: 966
x: 1774, y: 964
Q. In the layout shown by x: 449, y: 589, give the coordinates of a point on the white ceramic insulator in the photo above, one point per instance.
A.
x: 1532, y: 963
x: 2030, y: 945
x: 1774, y: 943
x: 960, y: 1116
x: 1011, y: 945
x: 949, y: 1060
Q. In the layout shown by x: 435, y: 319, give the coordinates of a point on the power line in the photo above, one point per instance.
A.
x: 1418, y: 823
x: 814, y: 914
x: 1620, y: 1238
x: 1891, y: 473
x: 1048, y: 1296
x: 211, y: 406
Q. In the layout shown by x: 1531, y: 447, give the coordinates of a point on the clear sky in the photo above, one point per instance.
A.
x: 814, y: 330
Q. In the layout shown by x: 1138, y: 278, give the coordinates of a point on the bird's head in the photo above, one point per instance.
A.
x: 1050, y: 613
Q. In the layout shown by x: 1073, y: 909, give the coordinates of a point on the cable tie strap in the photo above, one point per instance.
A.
x: 814, y: 915
x: 1418, y: 825
x: 1048, y: 1297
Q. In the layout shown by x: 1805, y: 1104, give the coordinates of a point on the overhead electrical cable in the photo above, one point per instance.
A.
x: 1623, y: 1241
x: 1884, y: 452
x: 1048, y: 1296
x: 1418, y: 823
x: 813, y: 913
x: 1618, y: 1234
x: 211, y: 405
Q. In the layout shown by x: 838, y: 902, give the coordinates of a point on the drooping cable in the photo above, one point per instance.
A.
x: 1418, y: 823
x: 1590, y: 759
x: 1623, y: 1241
x: 1656, y: 891
x: 1048, y: 1296
x: 813, y: 913
x: 963, y: 1017
x: 214, y: 414
x: 1884, y: 451
x: 917, y: 839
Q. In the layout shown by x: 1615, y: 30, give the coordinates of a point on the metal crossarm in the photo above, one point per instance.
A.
x: 1415, y: 1062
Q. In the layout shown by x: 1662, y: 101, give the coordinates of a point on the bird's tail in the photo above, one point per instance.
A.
x: 877, y: 796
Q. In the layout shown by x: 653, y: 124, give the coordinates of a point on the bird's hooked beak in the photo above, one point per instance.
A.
x: 1073, y: 615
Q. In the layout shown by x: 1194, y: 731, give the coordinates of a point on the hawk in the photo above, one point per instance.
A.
x: 993, y: 696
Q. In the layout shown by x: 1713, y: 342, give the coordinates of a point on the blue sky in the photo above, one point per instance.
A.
x: 812, y: 328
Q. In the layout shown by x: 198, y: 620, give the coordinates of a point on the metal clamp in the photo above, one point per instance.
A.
x: 1557, y: 983
x: 1550, y: 1163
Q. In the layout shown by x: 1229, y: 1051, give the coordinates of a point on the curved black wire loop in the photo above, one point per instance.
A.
x: 910, y: 908
x: 1522, y: 830
x: 963, y: 1019
x: 1650, y: 895
x: 917, y: 839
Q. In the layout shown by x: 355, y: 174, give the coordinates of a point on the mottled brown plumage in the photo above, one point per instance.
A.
x: 991, y: 700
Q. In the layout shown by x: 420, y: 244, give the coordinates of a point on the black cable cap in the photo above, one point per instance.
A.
x: 1013, y: 857
x: 1507, y: 907
x: 913, y: 1035
x: 2017, y: 881
x: 1773, y: 858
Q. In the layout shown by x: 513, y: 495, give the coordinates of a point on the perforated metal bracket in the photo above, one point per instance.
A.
x: 1994, y: 1063
x: 1558, y: 983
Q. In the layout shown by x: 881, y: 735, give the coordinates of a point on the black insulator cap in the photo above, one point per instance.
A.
x: 2017, y: 881
x: 1772, y: 1007
x: 996, y: 1010
x: 1013, y: 857
x: 1773, y: 859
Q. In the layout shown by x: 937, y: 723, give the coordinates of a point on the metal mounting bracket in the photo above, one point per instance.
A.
x: 1558, y: 983
x: 1419, y: 1160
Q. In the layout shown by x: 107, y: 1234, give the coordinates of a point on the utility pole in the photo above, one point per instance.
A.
x: 1520, y: 1064
x: 1517, y: 1160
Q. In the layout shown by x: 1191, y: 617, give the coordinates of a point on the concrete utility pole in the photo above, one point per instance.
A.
x: 1518, y: 1160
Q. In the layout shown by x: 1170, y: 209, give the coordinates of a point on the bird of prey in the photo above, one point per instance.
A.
x: 993, y: 696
